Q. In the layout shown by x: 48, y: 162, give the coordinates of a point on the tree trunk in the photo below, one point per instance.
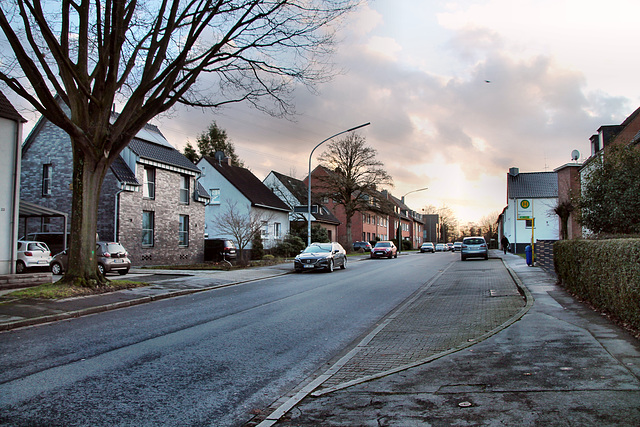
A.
x: 88, y: 174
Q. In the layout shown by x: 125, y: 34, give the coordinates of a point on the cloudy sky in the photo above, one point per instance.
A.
x: 417, y: 70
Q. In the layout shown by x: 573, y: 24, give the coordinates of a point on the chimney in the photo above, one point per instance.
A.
x: 514, y: 171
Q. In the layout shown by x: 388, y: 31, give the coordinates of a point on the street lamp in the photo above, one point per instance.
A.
x: 399, y: 234
x: 309, y: 178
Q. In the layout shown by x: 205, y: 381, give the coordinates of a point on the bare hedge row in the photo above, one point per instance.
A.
x: 604, y: 272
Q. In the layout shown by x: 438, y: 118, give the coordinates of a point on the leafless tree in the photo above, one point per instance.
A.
x: 242, y: 225
x: 148, y: 56
x: 353, y: 177
x: 447, y: 219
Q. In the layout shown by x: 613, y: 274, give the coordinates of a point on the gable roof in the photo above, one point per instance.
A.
x: 300, y: 191
x: 532, y: 184
x: 123, y: 173
x: 161, y: 153
x: 7, y: 111
x: 249, y: 185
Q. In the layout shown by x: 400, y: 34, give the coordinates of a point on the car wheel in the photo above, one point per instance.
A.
x: 396, y: 255
x: 462, y: 258
x: 123, y: 272
x: 20, y: 267
x: 330, y: 267
x: 486, y: 257
x: 56, y: 268
x: 101, y: 269
x: 344, y: 263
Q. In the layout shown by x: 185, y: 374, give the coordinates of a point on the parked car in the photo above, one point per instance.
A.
x: 54, y: 240
x: 427, y: 247
x: 32, y: 254
x: 385, y: 249
x: 321, y: 256
x: 365, y: 246
x: 457, y: 246
x: 440, y: 247
x: 474, y: 247
x: 219, y: 249
x: 449, y: 246
x: 111, y: 256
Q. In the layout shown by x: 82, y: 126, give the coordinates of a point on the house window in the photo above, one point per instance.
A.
x: 47, y: 171
x: 183, y: 231
x: 46, y: 224
x: 276, y: 229
x: 215, y: 196
x: 364, y: 236
x: 149, y: 188
x: 147, y: 228
x: 184, y: 189
x: 265, y: 229
x: 528, y: 223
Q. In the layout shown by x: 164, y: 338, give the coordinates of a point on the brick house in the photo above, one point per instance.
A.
x: 294, y: 193
x: 412, y: 223
x: 370, y: 225
x: 150, y: 200
x: 238, y: 189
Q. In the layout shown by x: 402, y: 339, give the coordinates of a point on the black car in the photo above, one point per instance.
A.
x: 321, y: 256
x: 365, y: 246
x: 219, y: 249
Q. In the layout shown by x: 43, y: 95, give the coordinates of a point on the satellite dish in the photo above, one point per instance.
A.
x: 575, y: 155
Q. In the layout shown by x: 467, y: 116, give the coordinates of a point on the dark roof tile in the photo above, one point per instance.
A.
x: 532, y: 184
x: 249, y: 185
x: 7, y: 111
x: 161, y: 153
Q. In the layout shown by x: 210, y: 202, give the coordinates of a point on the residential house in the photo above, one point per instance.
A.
x: 236, y: 189
x: 370, y: 225
x: 529, y: 214
x: 411, y: 221
x: 431, y: 228
x: 150, y: 200
x: 294, y: 193
x: 627, y: 133
x: 10, y: 141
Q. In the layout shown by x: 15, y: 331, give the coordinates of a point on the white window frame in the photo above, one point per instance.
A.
x: 47, y: 173
x: 214, y: 193
x: 149, y: 187
x: 149, y: 231
x: 183, y: 230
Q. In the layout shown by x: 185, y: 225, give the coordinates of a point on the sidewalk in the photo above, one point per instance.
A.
x: 165, y: 284
x: 553, y: 362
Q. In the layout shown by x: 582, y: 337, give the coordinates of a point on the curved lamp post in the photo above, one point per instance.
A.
x: 400, y: 211
x: 309, y: 178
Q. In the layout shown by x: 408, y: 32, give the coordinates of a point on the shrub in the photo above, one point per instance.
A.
x: 606, y: 273
x: 290, y: 245
x: 257, y: 248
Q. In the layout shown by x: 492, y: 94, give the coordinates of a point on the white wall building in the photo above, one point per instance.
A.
x: 237, y: 188
x: 531, y: 198
x: 10, y: 154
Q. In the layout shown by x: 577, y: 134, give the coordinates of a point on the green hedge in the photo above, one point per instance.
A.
x: 604, y: 272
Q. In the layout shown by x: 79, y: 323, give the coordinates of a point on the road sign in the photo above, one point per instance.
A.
x: 525, y: 209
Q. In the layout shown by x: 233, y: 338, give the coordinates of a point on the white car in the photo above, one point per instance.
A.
x: 32, y: 254
x: 441, y: 247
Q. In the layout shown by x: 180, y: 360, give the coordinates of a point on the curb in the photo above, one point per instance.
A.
x: 123, y: 304
x: 311, y: 388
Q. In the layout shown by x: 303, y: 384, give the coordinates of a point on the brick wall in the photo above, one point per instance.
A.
x: 166, y: 208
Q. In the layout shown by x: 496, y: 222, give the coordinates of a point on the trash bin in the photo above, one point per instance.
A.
x: 529, y: 254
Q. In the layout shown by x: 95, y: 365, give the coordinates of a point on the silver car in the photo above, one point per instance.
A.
x: 32, y: 254
x: 111, y: 257
x: 474, y: 247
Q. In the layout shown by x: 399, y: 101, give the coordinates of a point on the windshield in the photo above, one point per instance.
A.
x: 383, y: 245
x: 320, y: 247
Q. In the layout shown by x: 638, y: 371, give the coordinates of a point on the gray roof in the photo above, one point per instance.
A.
x: 161, y: 153
x: 533, y: 185
x: 123, y: 173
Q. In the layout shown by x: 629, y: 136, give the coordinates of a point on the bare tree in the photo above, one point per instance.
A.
x: 149, y: 57
x: 353, y: 178
x: 489, y: 228
x: 242, y: 225
x: 447, y: 219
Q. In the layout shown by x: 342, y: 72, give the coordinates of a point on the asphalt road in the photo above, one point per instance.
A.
x: 213, y: 358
